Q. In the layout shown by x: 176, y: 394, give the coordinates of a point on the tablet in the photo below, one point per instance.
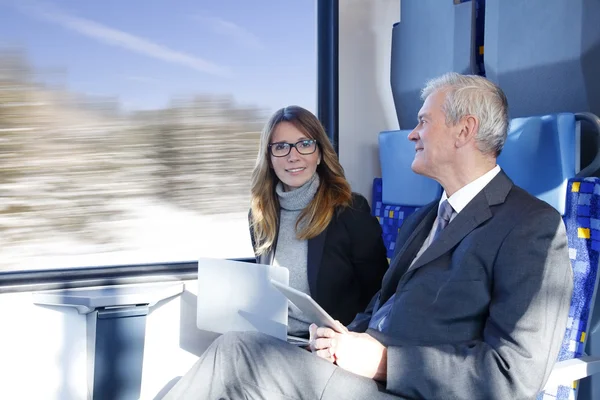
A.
x: 309, y: 307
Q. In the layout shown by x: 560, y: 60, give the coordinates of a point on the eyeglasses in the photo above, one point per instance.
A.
x: 282, y: 149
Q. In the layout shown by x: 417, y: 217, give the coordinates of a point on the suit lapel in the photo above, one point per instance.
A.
x: 267, y: 257
x: 313, y: 261
x: 408, y: 251
x: 474, y: 214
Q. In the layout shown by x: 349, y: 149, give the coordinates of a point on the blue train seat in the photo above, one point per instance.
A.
x: 399, y: 192
x: 541, y: 156
x: 551, y: 144
x: 583, y: 233
x: 396, y: 154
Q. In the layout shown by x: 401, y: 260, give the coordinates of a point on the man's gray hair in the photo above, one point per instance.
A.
x: 477, y: 96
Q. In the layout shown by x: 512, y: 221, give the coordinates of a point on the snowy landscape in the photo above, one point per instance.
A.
x: 84, y: 183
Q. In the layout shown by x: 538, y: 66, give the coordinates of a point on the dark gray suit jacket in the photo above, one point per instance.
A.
x: 482, y: 313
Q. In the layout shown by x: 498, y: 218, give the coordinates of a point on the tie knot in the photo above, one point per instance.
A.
x: 445, y: 211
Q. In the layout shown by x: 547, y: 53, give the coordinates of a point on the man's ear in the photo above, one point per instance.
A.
x: 469, y: 125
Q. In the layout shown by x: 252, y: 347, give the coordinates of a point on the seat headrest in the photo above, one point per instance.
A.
x: 540, y: 156
x: 401, y: 186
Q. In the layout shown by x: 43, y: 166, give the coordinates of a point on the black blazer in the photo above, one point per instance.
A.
x: 345, y: 263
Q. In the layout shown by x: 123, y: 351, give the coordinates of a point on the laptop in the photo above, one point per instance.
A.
x: 238, y: 296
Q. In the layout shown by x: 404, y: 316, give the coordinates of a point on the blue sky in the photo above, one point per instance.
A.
x: 145, y: 52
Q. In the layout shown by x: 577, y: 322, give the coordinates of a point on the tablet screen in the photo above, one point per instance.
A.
x: 311, y: 310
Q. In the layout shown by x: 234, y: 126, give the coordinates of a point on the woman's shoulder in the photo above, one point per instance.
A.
x: 357, y: 218
x: 360, y: 202
x: 358, y: 206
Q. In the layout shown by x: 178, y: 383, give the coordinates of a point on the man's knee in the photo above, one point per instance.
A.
x: 234, y: 339
x: 243, y: 344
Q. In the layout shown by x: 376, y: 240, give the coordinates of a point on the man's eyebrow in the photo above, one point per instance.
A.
x: 422, y: 115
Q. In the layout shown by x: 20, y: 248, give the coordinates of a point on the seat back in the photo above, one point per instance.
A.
x: 421, y: 54
x: 402, y: 186
x: 390, y: 217
x: 541, y: 156
x: 400, y: 191
x: 544, y: 54
x: 582, y: 221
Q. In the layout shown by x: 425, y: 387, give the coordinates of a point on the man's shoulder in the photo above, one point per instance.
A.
x: 505, y: 196
x: 525, y: 203
x: 523, y: 212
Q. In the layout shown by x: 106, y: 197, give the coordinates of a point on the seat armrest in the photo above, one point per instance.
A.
x: 568, y: 371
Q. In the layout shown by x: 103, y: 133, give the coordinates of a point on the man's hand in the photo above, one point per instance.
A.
x: 358, y: 353
x: 322, y: 341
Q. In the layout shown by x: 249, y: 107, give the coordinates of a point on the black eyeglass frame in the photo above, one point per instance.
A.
x: 294, y: 145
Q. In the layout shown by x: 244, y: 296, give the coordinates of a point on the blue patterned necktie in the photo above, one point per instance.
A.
x: 444, y: 213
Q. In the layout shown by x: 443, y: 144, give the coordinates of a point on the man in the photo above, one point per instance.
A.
x: 473, y: 306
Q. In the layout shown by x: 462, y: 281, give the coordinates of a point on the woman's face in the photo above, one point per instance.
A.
x: 293, y: 169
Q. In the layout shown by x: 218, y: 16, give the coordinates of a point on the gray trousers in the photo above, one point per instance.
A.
x: 252, y: 365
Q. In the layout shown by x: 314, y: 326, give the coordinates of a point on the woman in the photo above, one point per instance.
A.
x: 305, y: 217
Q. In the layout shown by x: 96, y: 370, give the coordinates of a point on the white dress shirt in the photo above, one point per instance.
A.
x: 459, y: 201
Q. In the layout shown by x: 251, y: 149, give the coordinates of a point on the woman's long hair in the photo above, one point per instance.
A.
x: 333, y: 192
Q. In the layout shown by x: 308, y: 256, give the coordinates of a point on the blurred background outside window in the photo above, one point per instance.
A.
x: 129, y: 129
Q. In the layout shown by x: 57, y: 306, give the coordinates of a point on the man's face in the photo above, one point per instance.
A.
x: 434, y: 140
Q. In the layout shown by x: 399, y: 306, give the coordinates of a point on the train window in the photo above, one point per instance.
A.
x: 129, y: 129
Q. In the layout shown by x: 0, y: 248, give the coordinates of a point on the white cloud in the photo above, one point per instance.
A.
x: 142, y: 79
x: 115, y: 37
x: 234, y: 31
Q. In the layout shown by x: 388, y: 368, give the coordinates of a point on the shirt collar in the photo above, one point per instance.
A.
x: 464, y: 195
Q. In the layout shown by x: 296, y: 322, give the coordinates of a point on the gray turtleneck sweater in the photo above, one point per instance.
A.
x: 291, y: 252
